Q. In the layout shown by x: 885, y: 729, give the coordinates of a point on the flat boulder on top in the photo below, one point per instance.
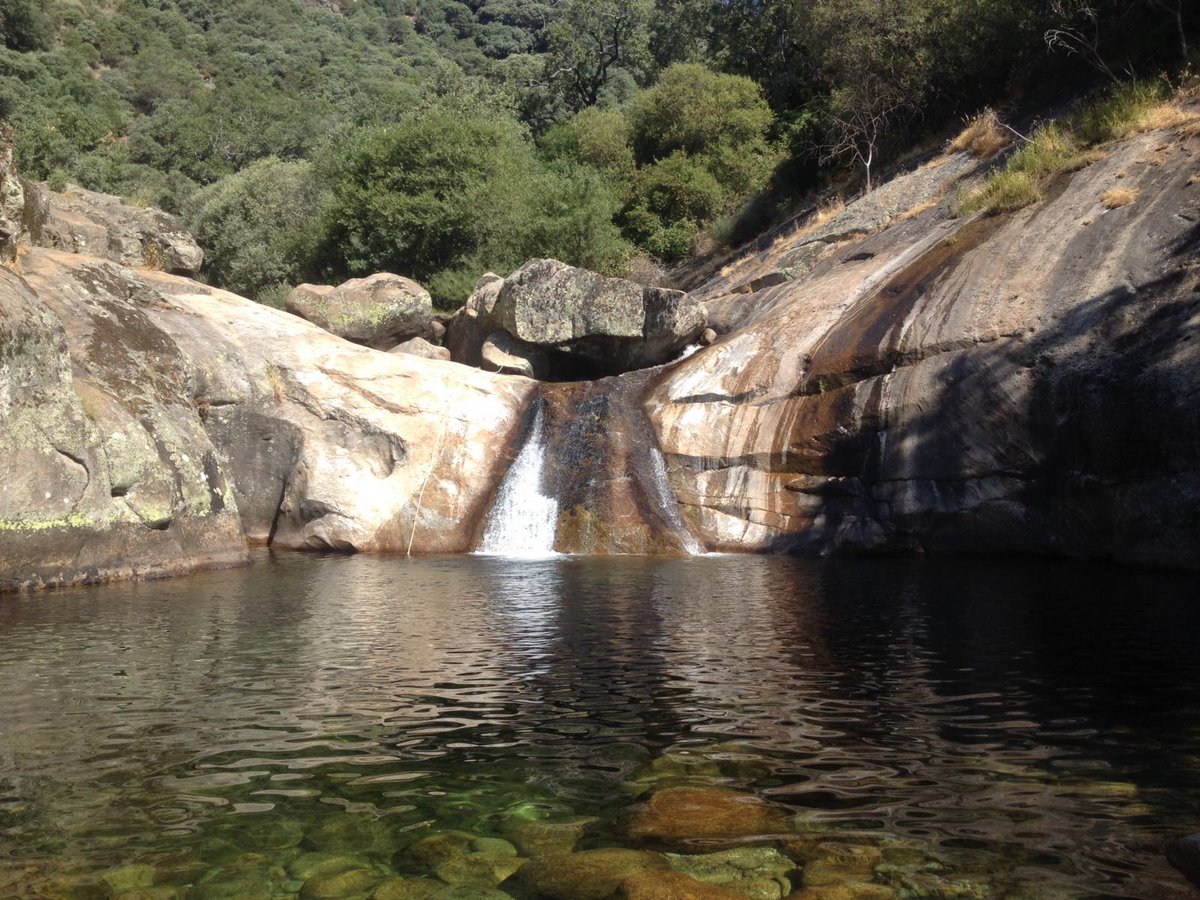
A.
x: 610, y: 323
x: 379, y: 311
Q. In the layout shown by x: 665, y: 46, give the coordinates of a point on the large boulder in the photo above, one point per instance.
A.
x: 582, y: 323
x: 379, y: 311
x: 87, y: 222
x: 611, y: 324
x: 501, y: 352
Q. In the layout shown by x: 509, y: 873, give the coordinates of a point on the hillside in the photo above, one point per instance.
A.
x: 311, y: 141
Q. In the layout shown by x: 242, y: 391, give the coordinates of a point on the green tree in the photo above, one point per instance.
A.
x: 259, y: 227
x: 592, y: 42
x: 600, y: 138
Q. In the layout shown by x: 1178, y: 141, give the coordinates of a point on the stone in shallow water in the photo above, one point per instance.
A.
x: 402, y: 888
x: 434, y: 850
x: 349, y: 833
x: 757, y: 872
x: 469, y: 892
x: 129, y: 878
x: 589, y: 874
x: 310, y: 865
x: 347, y: 883
x: 161, y: 892
x: 835, y: 862
x: 847, y: 890
x: 545, y: 837
x: 267, y: 834
x: 481, y: 869
x: 494, y: 846
x: 673, y: 886
x: 251, y: 876
x: 685, y: 813
x: 1184, y: 854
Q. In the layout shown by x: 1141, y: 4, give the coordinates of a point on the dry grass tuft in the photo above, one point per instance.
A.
x: 1118, y: 197
x: 917, y: 210
x: 826, y: 211
x: 984, y: 136
x: 1166, y: 116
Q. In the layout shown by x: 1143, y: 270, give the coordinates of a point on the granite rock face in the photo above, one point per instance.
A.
x: 152, y: 425
x: 87, y: 222
x: 1016, y: 383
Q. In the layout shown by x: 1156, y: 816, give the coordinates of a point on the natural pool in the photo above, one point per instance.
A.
x: 941, y: 728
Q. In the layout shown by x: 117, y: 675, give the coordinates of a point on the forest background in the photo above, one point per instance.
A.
x: 313, y: 140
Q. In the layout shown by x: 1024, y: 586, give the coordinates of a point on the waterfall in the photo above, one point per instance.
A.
x: 669, y: 505
x: 523, y: 519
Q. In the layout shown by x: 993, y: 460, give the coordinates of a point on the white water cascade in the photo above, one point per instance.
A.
x: 523, y: 518
x: 669, y: 505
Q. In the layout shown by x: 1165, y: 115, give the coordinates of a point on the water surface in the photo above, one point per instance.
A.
x: 1022, y: 729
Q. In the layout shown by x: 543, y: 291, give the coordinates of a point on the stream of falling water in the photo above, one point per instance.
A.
x: 523, y: 520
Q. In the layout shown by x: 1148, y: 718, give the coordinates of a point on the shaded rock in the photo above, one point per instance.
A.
x: 673, y: 886
x: 686, y: 813
x: 609, y: 324
x: 589, y: 874
x: 544, y: 837
x: 707, y: 336
x: 1184, y: 854
x: 758, y: 872
x: 504, y: 354
x: 107, y: 469
x: 468, y: 328
x: 421, y: 347
x: 379, y: 311
x: 94, y: 224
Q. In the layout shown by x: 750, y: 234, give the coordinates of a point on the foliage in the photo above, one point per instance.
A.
x: 451, y: 136
x: 259, y: 225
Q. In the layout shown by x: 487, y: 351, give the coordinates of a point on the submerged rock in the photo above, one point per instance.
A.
x: 686, y: 813
x: 545, y: 837
x: 346, y: 883
x: 407, y: 888
x: 1184, y: 854
x: 758, y: 872
x: 589, y: 874
x: 379, y: 311
x: 673, y: 886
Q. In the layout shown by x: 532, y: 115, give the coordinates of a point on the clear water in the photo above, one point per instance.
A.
x: 998, y: 728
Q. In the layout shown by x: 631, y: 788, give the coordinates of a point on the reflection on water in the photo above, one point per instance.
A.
x: 1038, y: 723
